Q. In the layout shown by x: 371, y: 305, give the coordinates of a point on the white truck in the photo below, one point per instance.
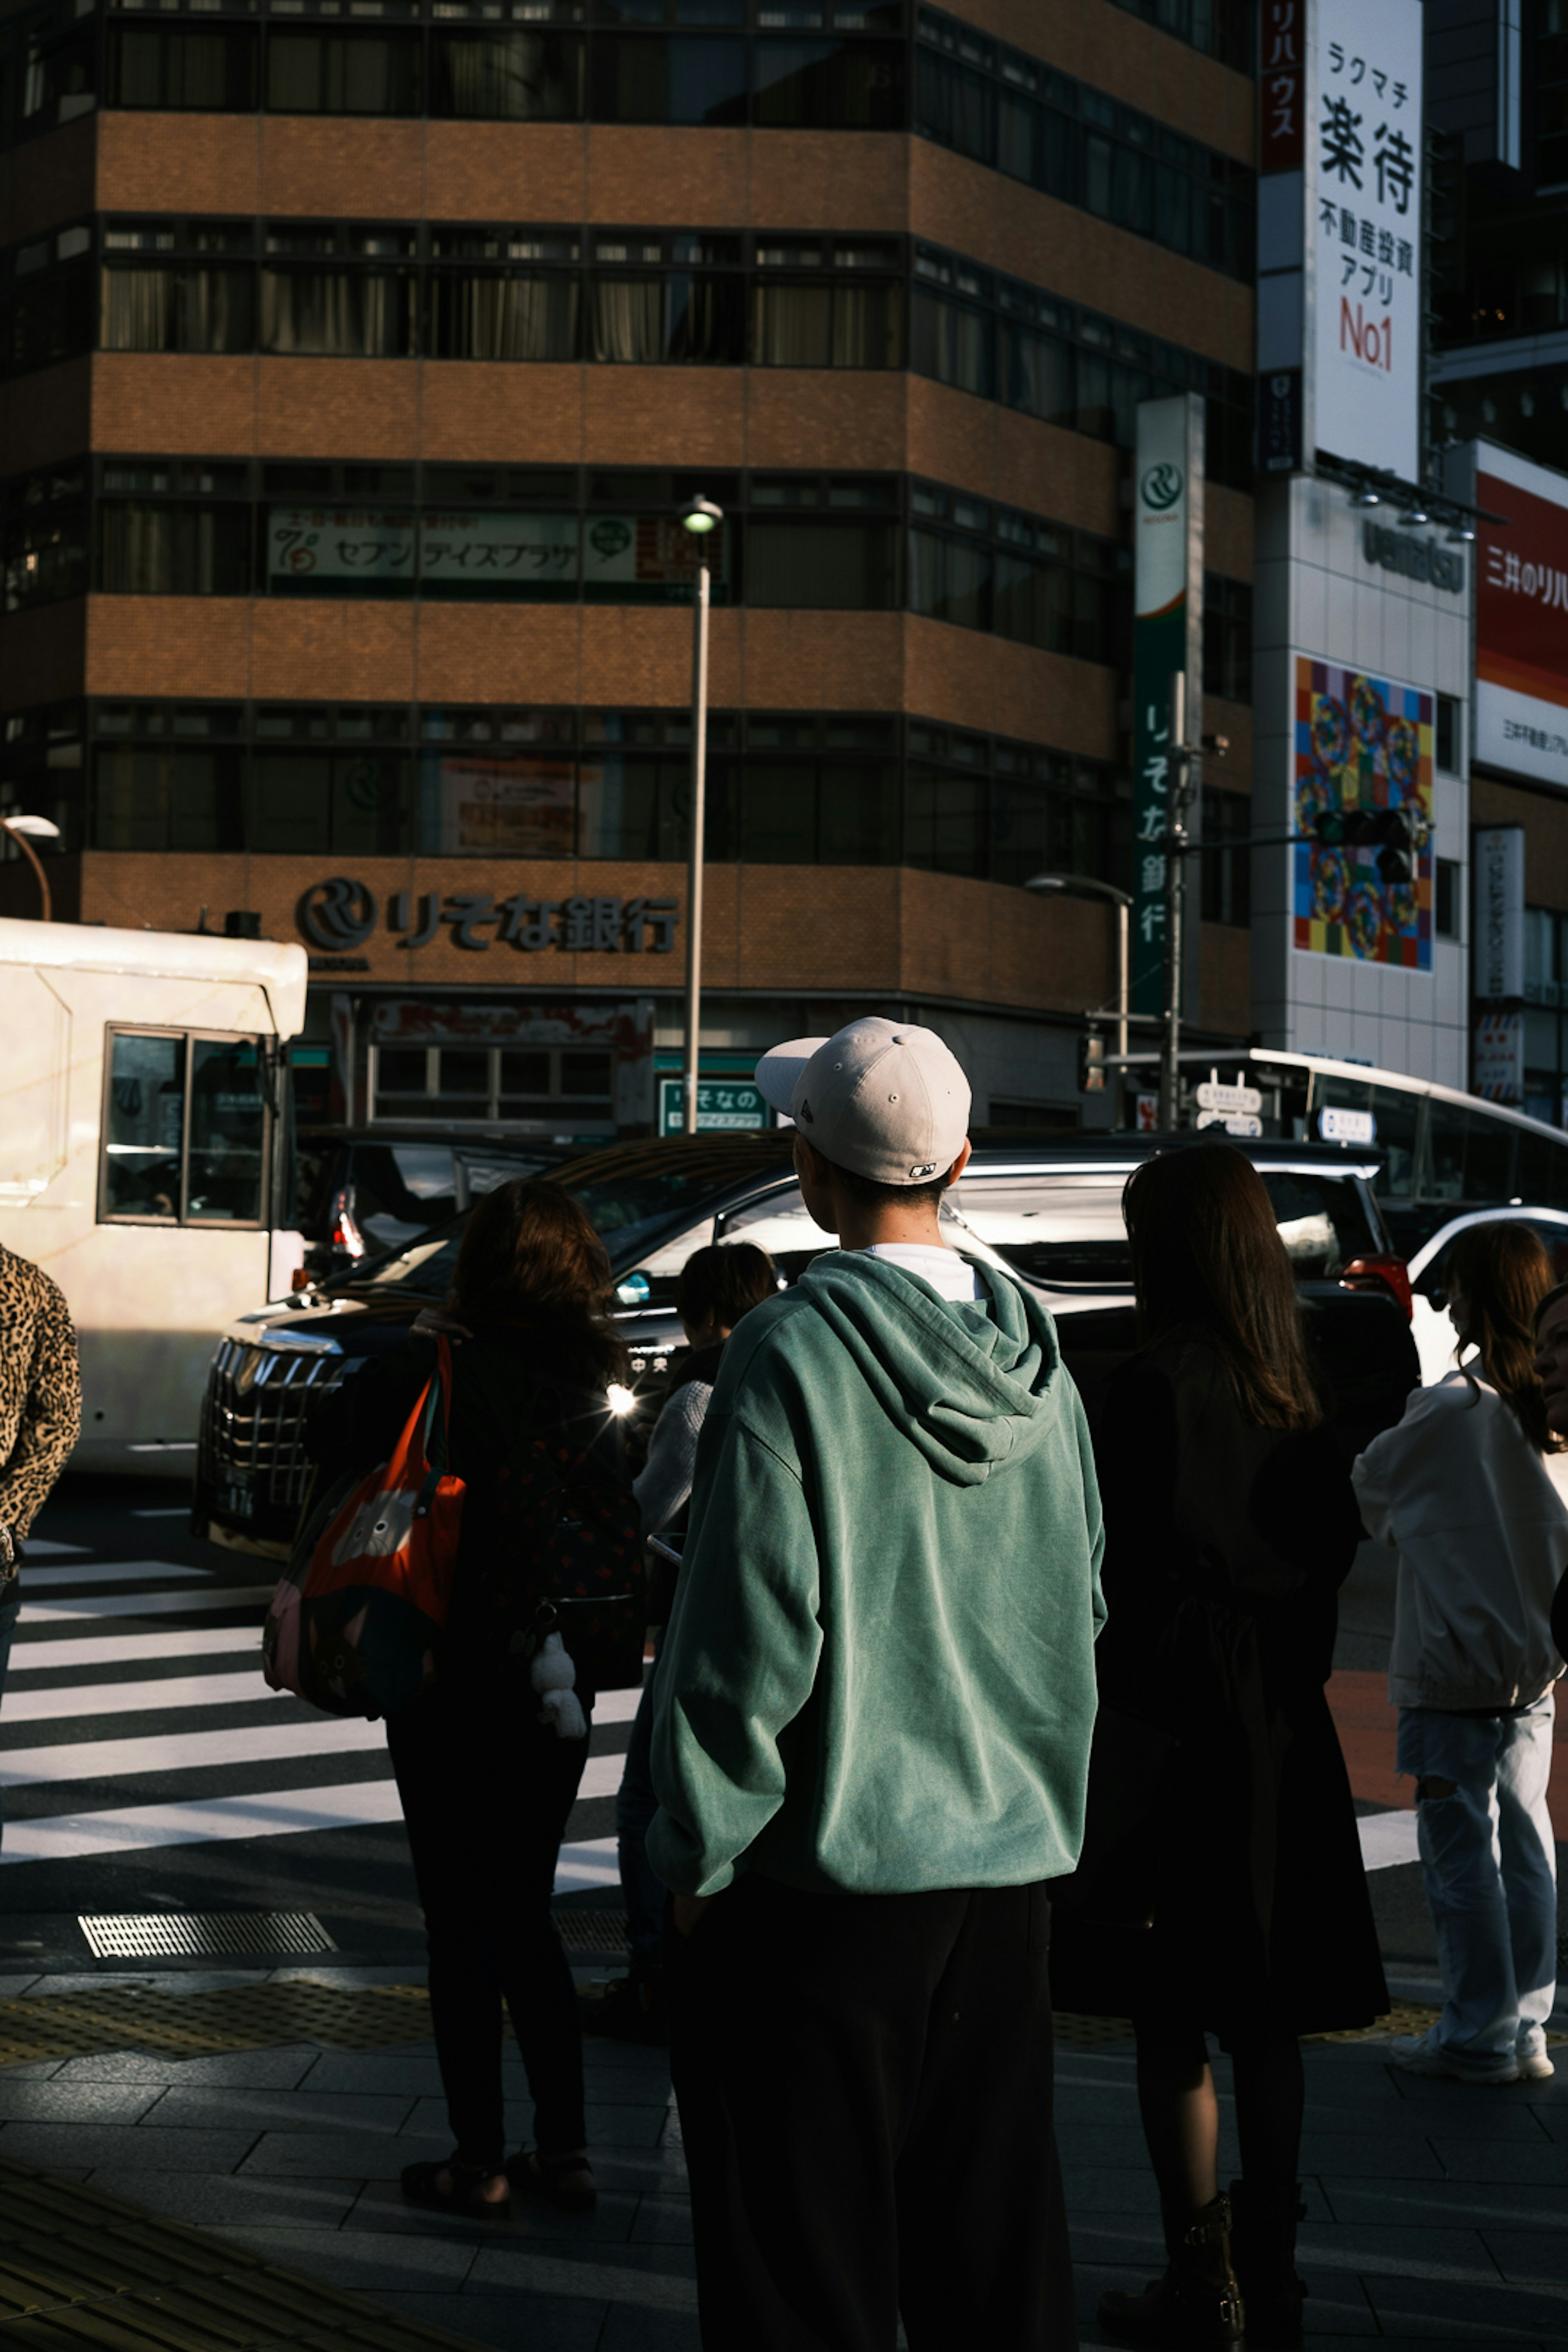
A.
x: 143, y: 1158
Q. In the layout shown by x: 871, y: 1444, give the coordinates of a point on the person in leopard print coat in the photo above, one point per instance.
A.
x: 40, y: 1401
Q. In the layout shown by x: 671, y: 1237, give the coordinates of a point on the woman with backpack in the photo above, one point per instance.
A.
x: 1464, y: 1489
x: 1237, y: 1906
x: 486, y: 1784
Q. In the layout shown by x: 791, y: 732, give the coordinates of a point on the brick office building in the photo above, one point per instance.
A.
x: 359, y: 359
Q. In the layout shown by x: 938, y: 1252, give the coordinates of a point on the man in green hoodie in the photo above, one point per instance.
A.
x: 870, y: 1749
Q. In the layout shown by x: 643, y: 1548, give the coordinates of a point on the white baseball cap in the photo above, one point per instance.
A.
x: 885, y: 1099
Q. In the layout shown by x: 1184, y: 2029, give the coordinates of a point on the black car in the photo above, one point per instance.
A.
x: 362, y: 1193
x: 1047, y: 1210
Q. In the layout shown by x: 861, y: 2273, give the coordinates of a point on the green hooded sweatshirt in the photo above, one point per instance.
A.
x: 879, y: 1673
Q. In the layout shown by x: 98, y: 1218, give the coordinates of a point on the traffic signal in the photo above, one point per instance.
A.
x: 1386, y: 830
x: 1091, y: 1063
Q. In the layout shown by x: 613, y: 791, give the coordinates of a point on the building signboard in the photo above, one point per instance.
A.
x: 1521, y: 618
x: 1167, y: 638
x: 1362, y: 744
x: 510, y: 806
x: 1497, y: 1067
x: 1498, y: 861
x: 723, y: 1105
x: 1339, y: 234
x: 483, y: 552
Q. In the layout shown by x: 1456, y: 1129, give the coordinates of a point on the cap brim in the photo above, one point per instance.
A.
x: 778, y: 1072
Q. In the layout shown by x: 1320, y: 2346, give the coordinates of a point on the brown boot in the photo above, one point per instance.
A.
x: 1197, y: 2304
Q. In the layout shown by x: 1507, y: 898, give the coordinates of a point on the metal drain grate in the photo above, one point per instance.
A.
x: 592, y: 1931
x: 201, y: 1934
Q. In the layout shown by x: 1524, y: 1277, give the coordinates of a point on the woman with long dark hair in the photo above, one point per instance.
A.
x: 1229, y: 1527
x: 1462, y: 1487
x: 485, y: 1785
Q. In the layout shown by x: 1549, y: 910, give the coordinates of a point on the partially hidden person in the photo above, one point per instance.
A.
x: 40, y: 1416
x: 1472, y: 1490
x: 871, y: 1736
x: 714, y: 1288
x: 485, y: 1776
x: 1230, y: 1524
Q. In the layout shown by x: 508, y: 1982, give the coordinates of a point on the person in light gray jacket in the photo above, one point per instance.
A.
x: 1471, y: 1490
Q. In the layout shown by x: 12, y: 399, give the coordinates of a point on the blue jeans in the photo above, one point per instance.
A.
x: 1490, y: 1863
x: 636, y: 1805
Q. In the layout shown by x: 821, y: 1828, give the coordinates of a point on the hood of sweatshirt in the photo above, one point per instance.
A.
x: 974, y: 1388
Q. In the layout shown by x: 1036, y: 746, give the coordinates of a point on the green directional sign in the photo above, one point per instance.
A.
x: 723, y: 1105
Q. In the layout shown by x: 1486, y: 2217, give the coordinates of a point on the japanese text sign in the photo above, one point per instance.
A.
x: 1521, y: 618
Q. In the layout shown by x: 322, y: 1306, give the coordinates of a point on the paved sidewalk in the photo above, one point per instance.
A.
x: 1439, y: 2212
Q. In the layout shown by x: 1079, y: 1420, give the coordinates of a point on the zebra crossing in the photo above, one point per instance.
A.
x: 132, y: 1721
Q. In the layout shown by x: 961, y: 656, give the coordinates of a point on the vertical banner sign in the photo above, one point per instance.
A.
x: 1499, y: 855
x: 1363, y: 192
x: 1283, y: 99
x: 1363, y: 745
x: 1167, y: 635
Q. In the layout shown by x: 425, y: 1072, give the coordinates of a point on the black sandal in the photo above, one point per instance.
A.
x: 421, y: 2187
x: 546, y: 2177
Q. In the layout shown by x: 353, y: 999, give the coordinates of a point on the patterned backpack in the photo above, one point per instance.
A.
x: 565, y: 1556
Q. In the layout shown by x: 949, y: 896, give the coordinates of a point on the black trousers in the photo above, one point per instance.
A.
x: 865, y: 2089
x: 486, y: 1791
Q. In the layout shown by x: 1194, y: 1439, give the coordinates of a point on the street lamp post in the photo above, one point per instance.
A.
x: 700, y: 517
x: 18, y: 828
x: 1123, y: 905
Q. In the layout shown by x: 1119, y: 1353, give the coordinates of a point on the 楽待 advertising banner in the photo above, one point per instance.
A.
x: 1167, y: 604
x: 1364, y: 195
x: 1521, y: 618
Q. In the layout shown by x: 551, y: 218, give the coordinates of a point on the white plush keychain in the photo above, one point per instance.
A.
x: 554, y: 1677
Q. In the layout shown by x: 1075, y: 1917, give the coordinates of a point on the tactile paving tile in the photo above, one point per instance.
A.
x: 1404, y: 2017
x: 200, y: 2024
x: 100, y: 2275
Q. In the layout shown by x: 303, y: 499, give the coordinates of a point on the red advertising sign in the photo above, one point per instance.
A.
x: 1521, y: 618
x: 1282, y: 85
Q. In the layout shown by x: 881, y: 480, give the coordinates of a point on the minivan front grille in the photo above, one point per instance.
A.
x: 251, y: 1467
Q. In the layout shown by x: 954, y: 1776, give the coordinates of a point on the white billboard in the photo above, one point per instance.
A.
x: 1363, y: 196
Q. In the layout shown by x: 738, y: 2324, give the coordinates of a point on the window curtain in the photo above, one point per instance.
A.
x: 823, y: 326
x: 625, y: 319
x: 140, y: 310
x: 495, y: 318
x: 330, y: 313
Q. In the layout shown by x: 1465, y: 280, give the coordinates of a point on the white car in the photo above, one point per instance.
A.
x: 1430, y: 1323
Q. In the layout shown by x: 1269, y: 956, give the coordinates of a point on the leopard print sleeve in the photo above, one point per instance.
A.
x: 40, y: 1389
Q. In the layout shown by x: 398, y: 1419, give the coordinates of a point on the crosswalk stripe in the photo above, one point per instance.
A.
x: 32, y: 1655
x: 148, y: 1604
x: 188, y: 1751
x: 43, y: 1548
x: 67, y: 1704
x: 110, y: 1572
x: 123, y: 1829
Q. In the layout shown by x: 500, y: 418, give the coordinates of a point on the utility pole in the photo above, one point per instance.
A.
x: 1182, y: 771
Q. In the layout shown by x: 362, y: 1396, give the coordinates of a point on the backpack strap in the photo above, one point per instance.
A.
x: 436, y: 1437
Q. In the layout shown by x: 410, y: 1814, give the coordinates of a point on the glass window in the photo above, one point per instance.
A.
x: 343, y: 73
x: 828, y: 86
x: 821, y: 566
x: 857, y: 814
x: 950, y: 579
x: 358, y: 314
x: 45, y: 558
x: 492, y: 316
x: 945, y: 822
x: 1321, y: 1223
x: 57, y: 76
x: 799, y: 324
x: 782, y: 1225
x: 143, y: 1126
x: 663, y: 80
x: 207, y: 66
x: 154, y: 797
x: 228, y: 1133
x: 953, y: 342
x: 148, y: 549
x: 511, y: 77
x: 183, y: 310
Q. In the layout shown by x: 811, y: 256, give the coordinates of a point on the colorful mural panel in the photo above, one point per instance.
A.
x: 1362, y: 744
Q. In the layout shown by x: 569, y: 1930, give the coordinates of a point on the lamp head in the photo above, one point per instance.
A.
x: 1043, y: 882
x: 39, y: 827
x: 1415, y: 516
x: 1461, y: 534
x: 1366, y: 497
x: 700, y: 517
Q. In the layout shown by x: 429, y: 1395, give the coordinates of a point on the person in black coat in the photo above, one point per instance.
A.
x: 486, y: 1786
x: 1230, y: 1525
